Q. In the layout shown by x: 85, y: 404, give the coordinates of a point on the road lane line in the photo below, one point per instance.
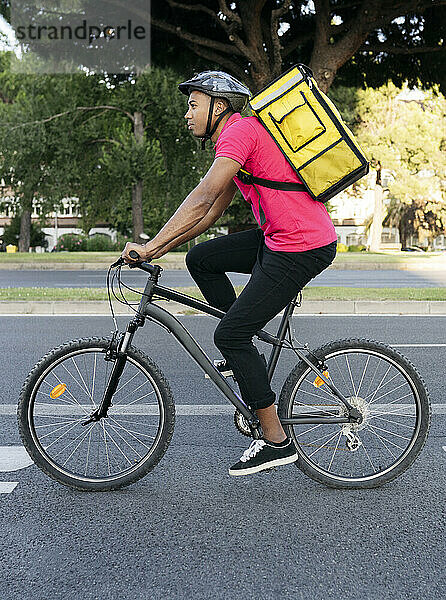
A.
x: 14, y: 458
x: 6, y: 487
x: 180, y: 409
x: 301, y: 316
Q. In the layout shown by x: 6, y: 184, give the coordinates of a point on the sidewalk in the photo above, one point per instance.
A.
x: 322, y: 307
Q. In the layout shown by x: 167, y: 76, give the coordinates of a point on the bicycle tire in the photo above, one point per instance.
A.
x: 33, y: 416
x: 302, y: 383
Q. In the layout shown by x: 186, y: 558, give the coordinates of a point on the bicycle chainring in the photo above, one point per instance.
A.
x: 242, y: 424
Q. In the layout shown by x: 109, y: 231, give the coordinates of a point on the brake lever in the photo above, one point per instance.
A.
x: 118, y: 263
x: 133, y: 254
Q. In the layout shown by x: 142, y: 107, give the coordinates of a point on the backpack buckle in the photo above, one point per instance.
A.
x: 245, y: 177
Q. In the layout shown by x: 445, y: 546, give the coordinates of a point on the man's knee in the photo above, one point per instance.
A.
x: 193, y: 257
x: 220, y: 336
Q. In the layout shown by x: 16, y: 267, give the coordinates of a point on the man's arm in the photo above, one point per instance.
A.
x: 214, y: 213
x: 201, y: 209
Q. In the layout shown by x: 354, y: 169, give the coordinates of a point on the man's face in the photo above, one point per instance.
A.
x: 197, y: 114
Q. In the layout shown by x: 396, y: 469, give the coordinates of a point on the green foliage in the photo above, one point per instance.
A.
x: 406, y: 138
x: 12, y: 231
x: 100, y: 242
x: 71, y: 242
x: 342, y: 248
x: 356, y: 248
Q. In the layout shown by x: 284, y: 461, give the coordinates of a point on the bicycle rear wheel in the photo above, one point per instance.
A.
x: 61, y: 392
x: 392, y: 398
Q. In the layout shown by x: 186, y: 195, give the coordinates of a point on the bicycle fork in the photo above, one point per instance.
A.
x: 119, y: 355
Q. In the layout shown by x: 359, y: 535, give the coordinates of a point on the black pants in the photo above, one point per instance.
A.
x: 276, y: 278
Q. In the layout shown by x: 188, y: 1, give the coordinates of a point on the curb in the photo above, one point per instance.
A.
x: 309, y: 307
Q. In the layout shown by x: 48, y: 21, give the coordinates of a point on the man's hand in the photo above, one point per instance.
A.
x: 142, y: 249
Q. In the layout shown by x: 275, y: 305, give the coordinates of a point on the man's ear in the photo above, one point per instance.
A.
x: 220, y: 106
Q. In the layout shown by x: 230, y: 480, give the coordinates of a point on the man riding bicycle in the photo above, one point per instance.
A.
x: 295, y: 242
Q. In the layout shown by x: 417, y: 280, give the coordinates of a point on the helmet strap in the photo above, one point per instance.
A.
x: 210, y: 132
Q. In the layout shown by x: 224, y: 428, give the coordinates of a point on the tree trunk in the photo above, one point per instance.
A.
x: 377, y: 224
x: 137, y: 188
x: 25, y: 230
x: 402, y: 233
x: 137, y: 218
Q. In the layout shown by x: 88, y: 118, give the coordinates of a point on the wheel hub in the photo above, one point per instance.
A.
x: 362, y: 406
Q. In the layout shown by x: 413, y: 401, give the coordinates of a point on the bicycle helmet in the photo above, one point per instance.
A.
x: 217, y: 84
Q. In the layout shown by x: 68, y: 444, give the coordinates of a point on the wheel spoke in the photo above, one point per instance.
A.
x: 107, y: 454
x: 119, y: 449
x: 334, y: 451
x: 390, y: 421
x: 126, y: 442
x: 84, y: 435
x: 363, y: 374
x: 391, y: 433
x: 62, y: 435
x: 391, y: 392
x: 130, y: 432
x: 88, y: 452
x: 351, y: 377
x: 381, y: 385
x: 323, y: 445
x: 106, y: 446
x: 368, y: 456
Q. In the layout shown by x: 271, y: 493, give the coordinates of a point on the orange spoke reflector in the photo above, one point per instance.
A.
x: 319, y: 381
x: 58, y: 390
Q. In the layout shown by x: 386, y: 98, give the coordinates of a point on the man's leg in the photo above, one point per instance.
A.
x: 271, y: 426
x: 209, y: 262
x: 277, y: 277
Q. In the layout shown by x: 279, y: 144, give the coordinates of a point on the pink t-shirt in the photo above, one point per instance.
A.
x: 294, y: 221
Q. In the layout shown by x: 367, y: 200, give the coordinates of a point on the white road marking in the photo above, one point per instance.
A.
x: 301, y: 316
x: 14, y: 458
x: 6, y: 487
x: 152, y: 409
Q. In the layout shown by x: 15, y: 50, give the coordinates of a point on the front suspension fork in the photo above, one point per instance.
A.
x: 120, y: 357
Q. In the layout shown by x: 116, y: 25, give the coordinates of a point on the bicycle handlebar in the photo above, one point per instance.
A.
x: 143, y: 265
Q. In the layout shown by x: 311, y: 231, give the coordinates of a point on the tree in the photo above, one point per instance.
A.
x: 157, y: 169
x: 119, y: 144
x: 406, y: 137
x: 256, y: 40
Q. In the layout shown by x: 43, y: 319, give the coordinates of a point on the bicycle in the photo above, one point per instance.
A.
x: 98, y: 414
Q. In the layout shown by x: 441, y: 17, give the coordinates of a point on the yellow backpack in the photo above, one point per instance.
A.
x: 310, y: 133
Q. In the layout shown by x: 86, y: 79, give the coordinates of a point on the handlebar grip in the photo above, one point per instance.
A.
x: 133, y: 254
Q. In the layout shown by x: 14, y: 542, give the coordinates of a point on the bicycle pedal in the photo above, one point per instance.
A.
x: 219, y: 364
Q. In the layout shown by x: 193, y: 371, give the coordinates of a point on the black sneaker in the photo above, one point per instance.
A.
x: 262, y: 455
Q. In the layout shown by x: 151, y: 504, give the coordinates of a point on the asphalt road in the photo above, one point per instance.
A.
x: 188, y: 530
x: 331, y: 277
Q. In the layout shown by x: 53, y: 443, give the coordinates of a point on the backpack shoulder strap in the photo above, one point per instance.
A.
x: 285, y: 186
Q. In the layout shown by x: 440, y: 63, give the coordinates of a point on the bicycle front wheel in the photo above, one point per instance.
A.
x: 391, y: 397
x: 61, y: 392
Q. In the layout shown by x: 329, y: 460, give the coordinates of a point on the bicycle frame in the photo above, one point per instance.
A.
x: 147, y: 309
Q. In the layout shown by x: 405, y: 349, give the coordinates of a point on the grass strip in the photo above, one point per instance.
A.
x: 75, y: 257
x: 109, y: 257
x: 310, y: 293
